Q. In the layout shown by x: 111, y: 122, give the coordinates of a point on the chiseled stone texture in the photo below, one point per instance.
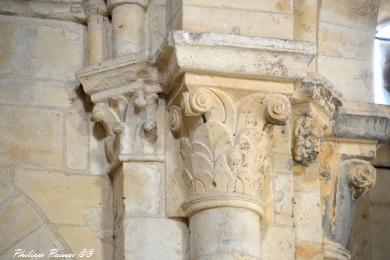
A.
x: 79, y: 238
x: 50, y: 155
x: 64, y: 199
x: 166, y: 238
x: 17, y: 219
x: 142, y: 189
x: 277, y: 243
x: 308, y: 216
x: 77, y: 139
x: 370, y: 237
x: 42, y: 240
x: 244, y: 17
x: 346, y: 31
x: 32, y: 46
x: 31, y: 136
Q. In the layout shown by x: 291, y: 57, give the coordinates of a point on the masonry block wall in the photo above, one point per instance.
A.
x: 54, y: 191
x: 188, y: 129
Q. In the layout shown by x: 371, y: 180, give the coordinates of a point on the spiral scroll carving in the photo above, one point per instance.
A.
x: 362, y: 178
x: 197, y: 102
x: 278, y: 110
x: 175, y: 118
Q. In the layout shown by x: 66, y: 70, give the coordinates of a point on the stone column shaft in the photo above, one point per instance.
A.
x: 225, y: 162
x: 95, y: 38
x: 225, y: 233
x: 128, y: 29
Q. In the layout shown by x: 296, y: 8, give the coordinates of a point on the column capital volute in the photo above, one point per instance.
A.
x: 225, y: 144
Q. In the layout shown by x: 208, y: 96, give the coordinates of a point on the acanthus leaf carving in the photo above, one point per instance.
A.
x: 227, y: 152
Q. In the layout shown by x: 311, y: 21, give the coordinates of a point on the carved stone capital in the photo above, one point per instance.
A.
x: 129, y: 121
x: 92, y: 7
x: 225, y: 145
x: 315, y: 104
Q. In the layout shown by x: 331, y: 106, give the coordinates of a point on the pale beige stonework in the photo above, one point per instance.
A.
x: 192, y: 129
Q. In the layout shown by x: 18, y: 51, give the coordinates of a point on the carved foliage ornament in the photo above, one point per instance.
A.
x: 115, y: 115
x: 229, y: 150
x: 307, y: 141
x: 361, y: 178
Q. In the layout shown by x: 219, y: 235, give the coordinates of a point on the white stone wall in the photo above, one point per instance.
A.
x: 54, y: 192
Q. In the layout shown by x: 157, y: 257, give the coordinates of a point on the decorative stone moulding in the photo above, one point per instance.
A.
x: 363, y: 121
x: 117, y: 75
x: 125, y: 93
x: 112, y: 3
x: 71, y: 10
x: 348, y: 180
x: 216, y: 54
x: 315, y: 105
x: 225, y: 124
x: 226, y: 155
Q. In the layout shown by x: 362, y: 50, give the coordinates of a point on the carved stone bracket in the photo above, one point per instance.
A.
x: 129, y: 121
x: 315, y: 105
x: 348, y: 180
x: 307, y: 141
x: 225, y: 145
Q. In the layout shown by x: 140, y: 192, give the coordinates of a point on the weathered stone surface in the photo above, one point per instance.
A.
x: 77, y: 140
x: 242, y: 22
x: 305, y: 20
x: 64, y: 199
x: 353, y: 81
x: 379, y: 194
x: 260, y: 58
x: 283, y: 199
x: 41, y: 241
x: 142, y: 189
x: 225, y: 232
x: 272, y: 6
x: 308, y: 251
x: 360, y: 14
x: 35, y: 92
x: 360, y: 239
x: 379, y: 216
x: 79, y: 238
x: 361, y: 120
x: 227, y: 80
x: 6, y: 187
x: 17, y: 219
x: 97, y: 156
x: 308, y: 216
x: 141, y: 238
x: 277, y: 243
x: 31, y: 136
x: 44, y: 43
x: 62, y: 10
x: 339, y: 41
